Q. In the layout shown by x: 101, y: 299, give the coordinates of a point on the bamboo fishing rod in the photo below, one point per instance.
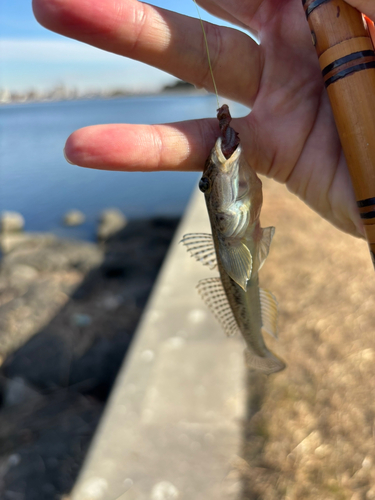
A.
x: 346, y: 55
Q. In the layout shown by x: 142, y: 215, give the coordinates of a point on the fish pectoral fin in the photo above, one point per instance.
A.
x: 269, y: 311
x: 264, y: 244
x: 237, y: 261
x: 201, y: 247
x: 269, y: 364
x: 212, y: 292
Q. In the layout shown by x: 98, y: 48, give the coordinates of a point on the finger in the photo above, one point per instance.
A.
x: 222, y: 12
x: 178, y: 146
x: 367, y: 7
x: 161, y: 38
x: 239, y: 12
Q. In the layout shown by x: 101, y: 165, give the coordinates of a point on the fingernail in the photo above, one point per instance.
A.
x: 66, y: 158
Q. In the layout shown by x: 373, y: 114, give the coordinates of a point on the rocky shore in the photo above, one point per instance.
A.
x: 68, y: 312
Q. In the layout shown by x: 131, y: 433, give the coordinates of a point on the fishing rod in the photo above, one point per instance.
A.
x: 341, y: 37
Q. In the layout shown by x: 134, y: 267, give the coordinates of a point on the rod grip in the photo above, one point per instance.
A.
x: 347, y: 60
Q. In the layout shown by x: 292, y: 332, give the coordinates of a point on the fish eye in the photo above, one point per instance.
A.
x: 204, y: 184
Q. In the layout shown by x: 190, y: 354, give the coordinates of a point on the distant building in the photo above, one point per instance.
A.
x: 5, y: 96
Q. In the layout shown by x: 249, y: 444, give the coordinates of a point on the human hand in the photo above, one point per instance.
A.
x: 290, y: 134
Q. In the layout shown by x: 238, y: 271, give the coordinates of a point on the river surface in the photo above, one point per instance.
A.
x: 36, y: 181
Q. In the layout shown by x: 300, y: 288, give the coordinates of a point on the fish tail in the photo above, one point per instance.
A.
x: 269, y: 364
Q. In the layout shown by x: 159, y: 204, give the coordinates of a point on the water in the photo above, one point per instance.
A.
x: 36, y: 181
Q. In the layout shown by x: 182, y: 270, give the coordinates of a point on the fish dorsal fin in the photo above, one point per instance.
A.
x: 264, y: 244
x: 212, y: 292
x: 201, y: 247
x: 236, y: 260
x: 268, y: 305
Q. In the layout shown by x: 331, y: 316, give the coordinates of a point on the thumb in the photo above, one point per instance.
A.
x: 367, y: 7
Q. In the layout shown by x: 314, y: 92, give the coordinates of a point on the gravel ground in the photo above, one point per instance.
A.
x: 313, y: 436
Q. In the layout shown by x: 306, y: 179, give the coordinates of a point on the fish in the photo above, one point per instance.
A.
x: 237, y: 247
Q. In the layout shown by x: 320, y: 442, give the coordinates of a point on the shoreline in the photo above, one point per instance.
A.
x: 105, y: 96
x: 68, y: 312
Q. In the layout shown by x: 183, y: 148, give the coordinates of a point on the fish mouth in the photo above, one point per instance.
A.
x: 226, y: 164
x: 231, y: 166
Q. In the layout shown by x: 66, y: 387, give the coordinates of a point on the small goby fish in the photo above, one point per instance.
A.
x: 238, y: 247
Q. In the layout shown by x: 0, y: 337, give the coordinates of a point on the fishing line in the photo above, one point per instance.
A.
x: 208, y: 53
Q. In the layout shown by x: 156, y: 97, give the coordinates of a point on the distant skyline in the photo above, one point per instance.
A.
x: 33, y: 58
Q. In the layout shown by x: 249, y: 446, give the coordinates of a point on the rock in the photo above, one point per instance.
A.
x: 74, y: 218
x: 21, y: 273
x: 42, y: 362
x: 17, y: 391
x: 11, y: 222
x: 24, y: 241
x: 95, y: 372
x: 49, y: 253
x: 81, y: 320
x: 111, y: 221
x: 112, y: 302
x: 10, y: 241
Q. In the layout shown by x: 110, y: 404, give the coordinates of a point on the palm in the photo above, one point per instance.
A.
x: 290, y: 133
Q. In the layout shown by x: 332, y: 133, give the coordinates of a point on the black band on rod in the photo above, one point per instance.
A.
x: 366, y: 203
x: 314, y: 5
x: 348, y: 71
x: 348, y: 58
x: 368, y: 215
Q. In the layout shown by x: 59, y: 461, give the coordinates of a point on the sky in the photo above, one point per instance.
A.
x: 33, y: 58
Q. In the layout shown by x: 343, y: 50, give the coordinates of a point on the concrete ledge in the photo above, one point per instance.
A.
x: 173, y: 425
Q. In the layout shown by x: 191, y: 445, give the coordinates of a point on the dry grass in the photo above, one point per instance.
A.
x: 313, y: 436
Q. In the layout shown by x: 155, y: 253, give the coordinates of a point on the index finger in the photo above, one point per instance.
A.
x: 176, y: 146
